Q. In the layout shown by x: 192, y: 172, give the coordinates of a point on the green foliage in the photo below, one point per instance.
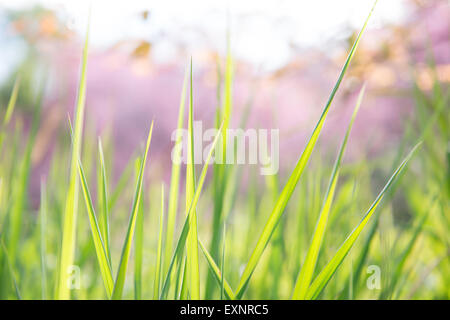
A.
x: 280, y: 240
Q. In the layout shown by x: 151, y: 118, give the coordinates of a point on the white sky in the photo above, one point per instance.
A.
x: 261, y: 30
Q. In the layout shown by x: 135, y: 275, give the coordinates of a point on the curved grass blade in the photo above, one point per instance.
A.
x: 102, y: 256
x: 12, y: 101
x: 160, y: 249
x: 293, y: 179
x: 307, y: 270
x: 175, y: 178
x: 221, y: 171
x: 71, y: 206
x: 138, y: 243
x: 217, y: 272
x: 327, y: 272
x: 193, y: 279
x: 121, y: 273
x: 178, y: 254
x: 179, y: 279
x: 222, y: 266
x: 360, y: 262
x: 103, y: 199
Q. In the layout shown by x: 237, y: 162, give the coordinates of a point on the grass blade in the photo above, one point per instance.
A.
x: 138, y: 242
x: 121, y: 273
x: 217, y: 273
x: 177, y: 256
x: 102, y: 256
x: 293, y: 179
x: 160, y: 249
x: 220, y: 169
x: 71, y: 206
x: 12, y: 102
x: 103, y: 201
x: 327, y: 272
x: 192, y: 241
x: 222, y: 266
x: 175, y: 178
x: 307, y: 270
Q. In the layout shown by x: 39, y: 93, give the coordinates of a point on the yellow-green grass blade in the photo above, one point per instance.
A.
x: 71, y: 206
x: 327, y: 272
x: 138, y: 242
x: 222, y: 266
x: 221, y: 170
x: 122, y: 271
x: 43, y: 240
x: 159, y: 251
x: 293, y: 179
x: 179, y: 249
x: 184, y: 294
x: 307, y: 270
x: 175, y: 179
x: 12, y: 102
x: 217, y: 273
x: 102, y: 256
x: 360, y: 262
x: 103, y: 201
x: 179, y: 279
x: 192, y: 241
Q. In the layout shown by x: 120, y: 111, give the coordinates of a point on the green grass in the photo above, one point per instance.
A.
x: 68, y: 246
x: 299, y: 234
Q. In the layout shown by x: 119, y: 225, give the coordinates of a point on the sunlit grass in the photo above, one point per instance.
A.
x: 298, y: 234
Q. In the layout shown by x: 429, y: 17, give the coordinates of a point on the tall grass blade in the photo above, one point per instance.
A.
x: 327, y: 272
x: 179, y: 249
x: 294, y: 178
x: 102, y: 256
x: 12, y: 102
x: 175, y: 179
x: 121, y: 273
x: 103, y: 200
x: 217, y: 273
x: 222, y: 266
x: 159, y: 251
x: 71, y: 205
x: 220, y: 170
x: 192, y: 241
x: 138, y: 242
x: 307, y: 270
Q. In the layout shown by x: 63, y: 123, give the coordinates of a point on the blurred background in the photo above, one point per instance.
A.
x: 286, y: 59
